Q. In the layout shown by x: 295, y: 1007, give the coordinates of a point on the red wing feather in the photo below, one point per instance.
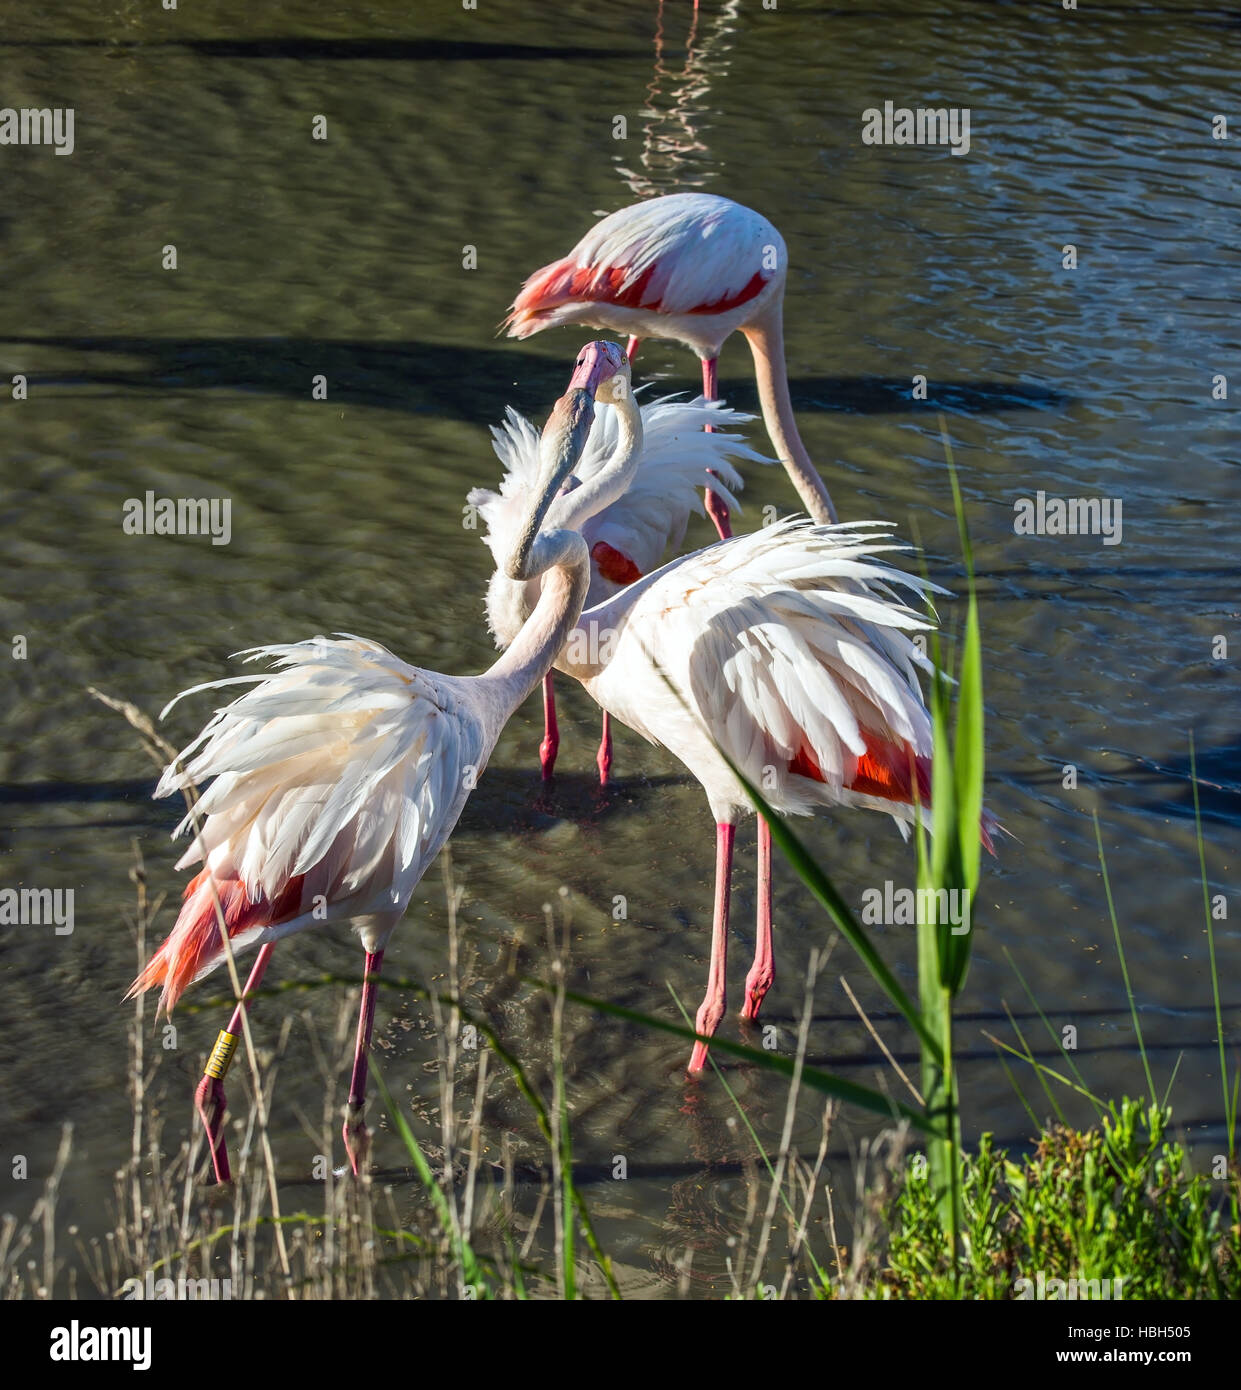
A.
x: 195, y: 938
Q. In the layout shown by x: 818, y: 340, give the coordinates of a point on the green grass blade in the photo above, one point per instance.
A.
x: 1054, y: 1036
x: 813, y: 877
x: 1124, y: 967
x: 470, y: 1273
x: 1012, y: 1081
x: 820, y: 1272
x: 813, y: 1077
x: 1042, y: 1070
x: 1027, y: 1053
x: 1230, y: 1114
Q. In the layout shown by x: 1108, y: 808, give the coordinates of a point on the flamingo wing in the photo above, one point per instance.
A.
x: 333, y: 784
x: 686, y: 253
x: 791, y: 649
x: 516, y: 445
x: 679, y: 459
x: 630, y: 537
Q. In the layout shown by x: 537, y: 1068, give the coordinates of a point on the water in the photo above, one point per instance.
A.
x: 493, y: 130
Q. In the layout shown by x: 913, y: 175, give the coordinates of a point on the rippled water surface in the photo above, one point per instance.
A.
x: 493, y: 129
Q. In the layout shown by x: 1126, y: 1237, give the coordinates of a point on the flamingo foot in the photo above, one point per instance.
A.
x: 210, y: 1102
x: 757, y: 983
x: 763, y: 971
x: 603, y: 760
x: 547, y: 757
x: 711, y: 1010
x: 551, y: 730
x: 209, y: 1098
x: 717, y: 510
x: 357, y: 1139
x: 357, y: 1136
x: 707, y: 1021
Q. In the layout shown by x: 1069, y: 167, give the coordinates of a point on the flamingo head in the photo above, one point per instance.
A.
x: 602, y: 369
x: 601, y: 373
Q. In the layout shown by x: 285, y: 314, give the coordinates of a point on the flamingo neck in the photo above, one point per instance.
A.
x: 572, y: 510
x: 561, y: 560
x: 765, y: 335
x: 555, y: 564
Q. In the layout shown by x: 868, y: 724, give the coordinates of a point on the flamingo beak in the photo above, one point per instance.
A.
x: 563, y: 441
x: 595, y: 364
x: 564, y: 438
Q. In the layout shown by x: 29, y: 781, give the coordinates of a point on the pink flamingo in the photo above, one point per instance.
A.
x: 787, y: 650
x: 692, y: 267
x: 629, y: 536
x: 338, y: 778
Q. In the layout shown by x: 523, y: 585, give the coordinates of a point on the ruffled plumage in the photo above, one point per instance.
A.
x: 790, y: 649
x: 650, y: 519
x: 333, y: 783
x: 684, y: 255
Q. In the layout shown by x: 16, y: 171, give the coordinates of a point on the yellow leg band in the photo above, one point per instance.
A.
x: 221, y: 1055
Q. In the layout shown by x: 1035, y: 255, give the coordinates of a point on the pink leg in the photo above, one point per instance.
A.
x: 211, y: 1088
x: 551, y: 730
x: 604, y: 758
x: 716, y: 509
x: 632, y: 350
x: 708, y: 378
x: 357, y: 1140
x: 763, y: 971
x: 712, y: 1009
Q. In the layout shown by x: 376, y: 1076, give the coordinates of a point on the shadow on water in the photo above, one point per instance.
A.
x: 516, y: 801
x: 876, y: 395
x: 1208, y: 584
x: 586, y: 1174
x: 306, y: 48
x: 73, y: 793
x: 341, y: 50
x: 439, y: 379
x: 1200, y: 16
x: 1219, y: 790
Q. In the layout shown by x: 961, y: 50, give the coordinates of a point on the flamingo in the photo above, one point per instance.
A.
x: 340, y: 775
x: 629, y: 536
x: 692, y: 267
x: 786, y: 651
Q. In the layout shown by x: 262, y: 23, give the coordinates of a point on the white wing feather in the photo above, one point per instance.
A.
x: 787, y: 641
x: 343, y: 762
x: 651, y: 517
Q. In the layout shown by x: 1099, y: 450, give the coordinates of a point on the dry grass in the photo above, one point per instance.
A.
x: 360, y: 1239
x: 470, y: 1229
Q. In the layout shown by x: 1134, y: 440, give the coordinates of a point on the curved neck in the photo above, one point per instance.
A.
x: 562, y: 560
x: 560, y: 446
x: 572, y: 510
x: 765, y: 335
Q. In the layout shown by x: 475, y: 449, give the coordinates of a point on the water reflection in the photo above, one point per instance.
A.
x: 675, y: 157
